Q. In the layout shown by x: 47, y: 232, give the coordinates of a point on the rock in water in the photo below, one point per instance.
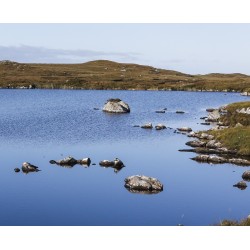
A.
x: 160, y: 126
x: 241, y: 185
x: 27, y: 167
x: 116, y: 106
x: 143, y: 183
x: 185, y: 129
x: 17, y: 170
x: 246, y: 175
x: 84, y: 161
x: 147, y: 126
x: 69, y: 160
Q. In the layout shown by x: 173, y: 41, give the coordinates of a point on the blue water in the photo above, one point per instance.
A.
x: 40, y: 125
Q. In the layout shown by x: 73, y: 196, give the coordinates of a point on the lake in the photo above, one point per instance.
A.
x: 40, y: 125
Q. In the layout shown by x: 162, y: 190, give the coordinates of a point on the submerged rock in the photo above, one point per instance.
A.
x: 27, y: 167
x: 17, y: 170
x: 143, y: 183
x: 116, y: 106
x: 179, y: 112
x: 147, y: 126
x: 241, y: 185
x: 160, y: 111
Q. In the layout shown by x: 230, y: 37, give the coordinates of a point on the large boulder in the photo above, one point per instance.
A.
x: 143, y: 183
x: 116, y: 106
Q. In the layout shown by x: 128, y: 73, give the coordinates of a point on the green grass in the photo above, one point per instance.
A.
x: 233, y: 117
x: 103, y: 74
x: 235, y: 138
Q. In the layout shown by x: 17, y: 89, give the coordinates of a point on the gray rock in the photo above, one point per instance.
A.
x: 106, y: 163
x: 209, y: 159
x: 241, y: 185
x: 116, y: 164
x: 179, y: 112
x: 68, y: 161
x: 84, y: 161
x: 185, y: 129
x: 27, y: 167
x: 246, y: 175
x: 213, y: 144
x: 213, y: 116
x: 143, y: 183
x: 160, y: 126
x: 244, y: 111
x: 196, y: 143
x: 245, y: 94
x: 147, y: 126
x: 239, y: 161
x: 116, y: 106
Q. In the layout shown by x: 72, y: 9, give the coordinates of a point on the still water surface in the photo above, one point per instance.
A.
x: 40, y: 125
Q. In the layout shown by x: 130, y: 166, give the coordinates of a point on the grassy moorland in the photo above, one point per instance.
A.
x: 244, y: 222
x: 104, y: 74
x: 237, y: 136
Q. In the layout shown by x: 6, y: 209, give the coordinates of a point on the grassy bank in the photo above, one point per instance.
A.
x: 244, y: 222
x: 104, y: 74
x: 237, y: 136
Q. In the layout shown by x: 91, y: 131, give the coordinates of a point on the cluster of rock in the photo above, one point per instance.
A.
x: 242, y: 184
x: 150, y: 126
x: 245, y: 93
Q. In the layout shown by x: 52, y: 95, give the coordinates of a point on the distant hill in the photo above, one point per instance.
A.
x: 104, y: 74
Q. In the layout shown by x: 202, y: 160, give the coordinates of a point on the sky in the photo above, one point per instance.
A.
x: 189, y: 48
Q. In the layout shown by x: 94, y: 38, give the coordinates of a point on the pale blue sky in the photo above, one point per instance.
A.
x: 189, y: 48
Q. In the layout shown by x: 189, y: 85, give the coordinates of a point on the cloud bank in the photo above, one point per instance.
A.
x: 30, y: 54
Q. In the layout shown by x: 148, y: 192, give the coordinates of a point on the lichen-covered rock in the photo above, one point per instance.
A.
x: 143, y: 183
x: 147, y: 126
x: 27, y: 167
x: 116, y: 106
x: 246, y: 175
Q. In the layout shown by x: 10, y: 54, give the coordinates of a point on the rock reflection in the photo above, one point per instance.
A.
x: 143, y: 191
x: 69, y: 162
